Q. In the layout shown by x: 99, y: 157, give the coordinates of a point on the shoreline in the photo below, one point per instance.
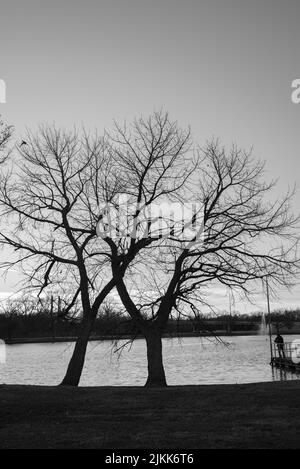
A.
x: 38, y: 340
x: 255, y: 415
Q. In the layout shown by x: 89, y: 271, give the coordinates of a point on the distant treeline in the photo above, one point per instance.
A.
x: 26, y: 319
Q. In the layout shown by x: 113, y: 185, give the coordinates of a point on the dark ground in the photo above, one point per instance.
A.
x: 263, y: 415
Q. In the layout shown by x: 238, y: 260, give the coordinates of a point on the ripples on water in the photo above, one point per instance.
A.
x: 187, y: 361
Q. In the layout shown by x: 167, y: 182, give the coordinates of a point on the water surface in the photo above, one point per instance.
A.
x: 192, y: 360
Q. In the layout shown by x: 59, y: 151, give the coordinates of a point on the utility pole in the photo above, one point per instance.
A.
x: 230, y: 316
x: 52, y: 319
x: 269, y: 319
x: 59, y: 306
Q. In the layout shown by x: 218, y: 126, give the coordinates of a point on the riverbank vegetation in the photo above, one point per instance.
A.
x: 29, y: 318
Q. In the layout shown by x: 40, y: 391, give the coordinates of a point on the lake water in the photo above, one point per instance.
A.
x: 191, y: 360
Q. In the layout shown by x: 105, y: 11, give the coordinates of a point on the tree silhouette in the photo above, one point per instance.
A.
x: 244, y: 234
x: 49, y: 204
x: 89, y: 214
x: 6, y: 132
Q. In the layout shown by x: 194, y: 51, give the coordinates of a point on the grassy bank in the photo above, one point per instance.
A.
x: 263, y: 415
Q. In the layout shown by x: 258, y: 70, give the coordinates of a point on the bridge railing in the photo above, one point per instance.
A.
x: 285, y: 350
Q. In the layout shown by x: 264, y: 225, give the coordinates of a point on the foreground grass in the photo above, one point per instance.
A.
x: 262, y: 415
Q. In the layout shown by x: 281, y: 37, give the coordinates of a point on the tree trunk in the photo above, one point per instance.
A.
x: 156, y: 372
x: 75, y: 367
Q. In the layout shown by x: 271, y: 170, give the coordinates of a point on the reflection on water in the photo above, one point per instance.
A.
x: 282, y: 374
x: 187, y: 361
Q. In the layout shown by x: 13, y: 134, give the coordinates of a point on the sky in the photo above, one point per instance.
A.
x: 224, y: 67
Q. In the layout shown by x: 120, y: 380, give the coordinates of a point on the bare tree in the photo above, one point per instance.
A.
x: 244, y: 234
x: 50, y: 200
x: 80, y: 213
x: 54, y: 196
x: 5, y: 137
